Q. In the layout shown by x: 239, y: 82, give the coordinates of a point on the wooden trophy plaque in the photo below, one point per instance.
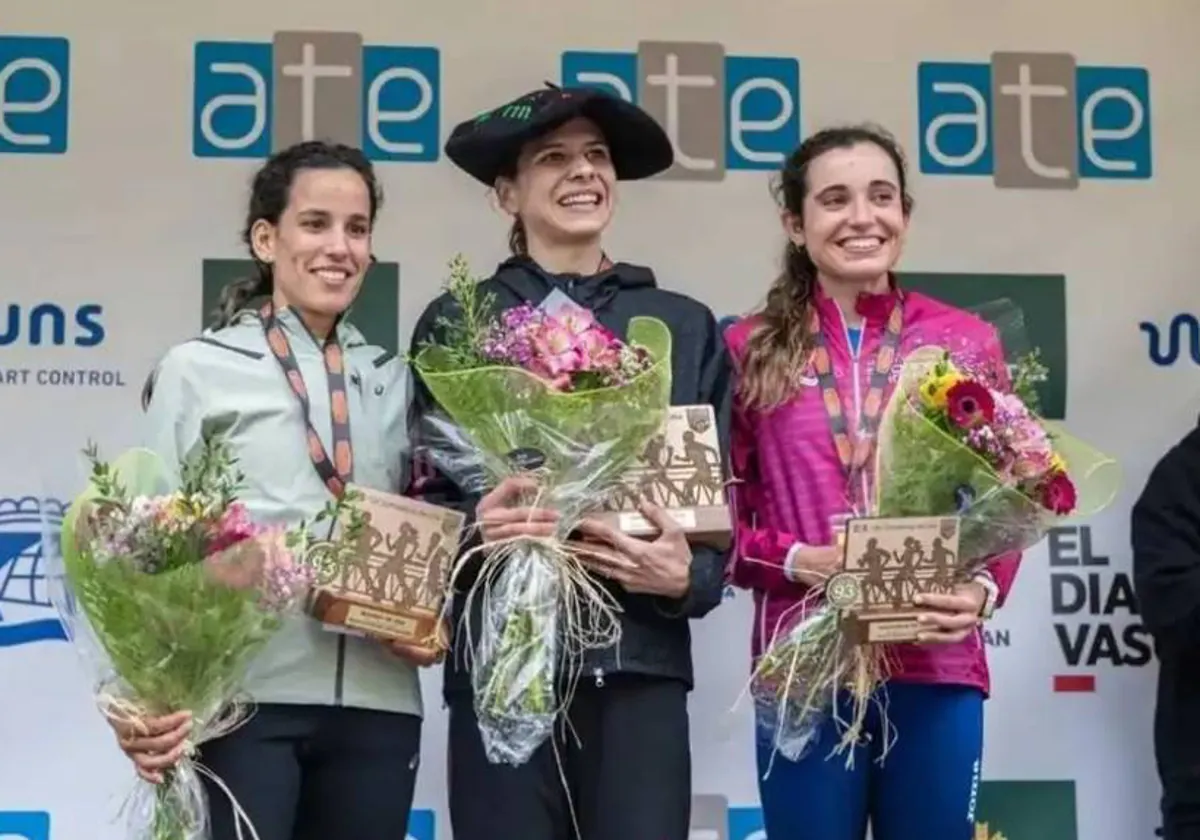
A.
x: 395, y: 584
x: 887, y: 561
x: 681, y: 472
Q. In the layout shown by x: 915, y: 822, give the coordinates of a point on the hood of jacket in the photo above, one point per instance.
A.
x: 530, y: 282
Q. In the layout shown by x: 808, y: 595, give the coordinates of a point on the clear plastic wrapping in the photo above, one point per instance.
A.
x: 540, y: 609
x: 167, y: 596
x: 952, y: 441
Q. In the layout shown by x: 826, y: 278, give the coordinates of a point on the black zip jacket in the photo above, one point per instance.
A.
x: 1165, y: 536
x: 655, y: 637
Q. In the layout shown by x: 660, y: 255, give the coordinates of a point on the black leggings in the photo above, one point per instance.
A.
x: 316, y: 773
x: 625, y: 759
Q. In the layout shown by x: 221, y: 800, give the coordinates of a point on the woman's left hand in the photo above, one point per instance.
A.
x: 951, y: 616
x: 661, y: 566
x: 419, y: 656
x: 423, y: 656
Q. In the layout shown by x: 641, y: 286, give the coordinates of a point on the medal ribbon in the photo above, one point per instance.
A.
x: 338, y: 471
x: 855, y: 452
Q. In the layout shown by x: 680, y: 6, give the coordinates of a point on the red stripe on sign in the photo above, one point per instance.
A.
x: 1082, y: 683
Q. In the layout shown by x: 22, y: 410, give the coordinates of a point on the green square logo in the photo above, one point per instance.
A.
x: 1026, y: 811
x: 1042, y: 301
x: 376, y: 311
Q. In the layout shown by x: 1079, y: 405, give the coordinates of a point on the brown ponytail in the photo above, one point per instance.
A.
x: 518, y: 242
x: 237, y: 294
x: 778, y: 347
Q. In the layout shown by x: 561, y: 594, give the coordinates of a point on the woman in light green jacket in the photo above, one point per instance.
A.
x: 332, y: 749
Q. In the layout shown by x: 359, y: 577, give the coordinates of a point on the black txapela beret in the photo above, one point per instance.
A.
x: 488, y: 145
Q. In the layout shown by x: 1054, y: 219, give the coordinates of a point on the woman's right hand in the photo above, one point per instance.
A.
x: 814, y: 564
x: 153, y: 744
x: 500, y: 517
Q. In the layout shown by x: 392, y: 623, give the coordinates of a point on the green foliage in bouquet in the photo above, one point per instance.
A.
x: 475, y: 389
x: 179, y: 590
x: 950, y: 444
x: 554, y: 394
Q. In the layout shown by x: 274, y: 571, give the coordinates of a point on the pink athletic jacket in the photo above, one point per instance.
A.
x: 789, y: 483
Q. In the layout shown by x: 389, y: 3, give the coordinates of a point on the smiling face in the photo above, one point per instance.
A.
x: 320, y: 249
x: 563, y: 191
x: 853, y: 219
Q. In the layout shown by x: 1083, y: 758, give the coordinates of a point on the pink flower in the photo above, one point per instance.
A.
x: 1058, y: 494
x: 284, y: 581
x: 555, y: 349
x: 1010, y: 406
x: 559, y: 349
x: 578, y: 322
x: 599, y: 351
x: 233, y: 527
x: 1027, y: 436
x: 1030, y: 465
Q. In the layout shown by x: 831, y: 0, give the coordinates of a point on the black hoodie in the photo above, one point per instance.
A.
x: 1165, y: 534
x: 655, y: 638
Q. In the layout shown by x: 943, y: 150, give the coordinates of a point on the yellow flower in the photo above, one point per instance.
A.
x: 935, y: 388
x: 1057, y: 463
x: 183, y: 506
x: 180, y: 512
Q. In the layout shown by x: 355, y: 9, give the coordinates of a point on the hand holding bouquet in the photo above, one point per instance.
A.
x: 951, y: 443
x: 172, y: 593
x: 549, y: 405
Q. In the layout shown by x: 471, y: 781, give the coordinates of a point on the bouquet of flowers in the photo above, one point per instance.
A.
x: 169, y: 594
x: 951, y: 443
x: 547, y: 392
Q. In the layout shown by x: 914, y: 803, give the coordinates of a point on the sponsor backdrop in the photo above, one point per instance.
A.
x: 1052, y: 152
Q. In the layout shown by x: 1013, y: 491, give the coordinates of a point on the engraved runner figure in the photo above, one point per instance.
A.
x: 943, y: 561
x: 874, y: 585
x: 705, y: 473
x: 434, y: 559
x: 391, y: 582
x: 356, y: 573
x: 656, y: 483
x: 905, y: 584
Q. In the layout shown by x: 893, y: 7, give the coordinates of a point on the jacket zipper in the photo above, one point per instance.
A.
x: 339, y: 685
x: 339, y: 668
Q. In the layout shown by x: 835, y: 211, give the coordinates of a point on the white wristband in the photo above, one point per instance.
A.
x: 789, y: 562
x: 984, y: 578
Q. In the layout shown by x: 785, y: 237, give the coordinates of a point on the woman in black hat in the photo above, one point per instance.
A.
x: 619, y: 767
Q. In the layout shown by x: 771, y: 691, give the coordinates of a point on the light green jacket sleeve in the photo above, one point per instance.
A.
x: 391, y: 384
x: 174, y: 412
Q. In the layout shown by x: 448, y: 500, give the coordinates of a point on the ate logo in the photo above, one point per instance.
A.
x: 1096, y: 617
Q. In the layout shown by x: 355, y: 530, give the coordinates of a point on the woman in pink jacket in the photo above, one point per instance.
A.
x: 845, y: 211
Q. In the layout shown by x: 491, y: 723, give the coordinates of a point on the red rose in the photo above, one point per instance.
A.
x: 1058, y: 494
x: 969, y: 404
